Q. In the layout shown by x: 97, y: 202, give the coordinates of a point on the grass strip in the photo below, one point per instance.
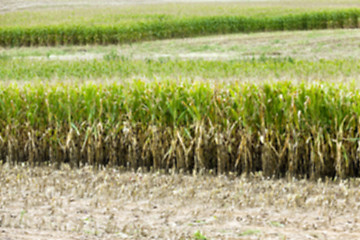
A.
x: 164, y: 28
x: 282, y: 129
x: 122, y: 68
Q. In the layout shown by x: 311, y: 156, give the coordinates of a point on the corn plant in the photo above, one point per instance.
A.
x: 280, y: 128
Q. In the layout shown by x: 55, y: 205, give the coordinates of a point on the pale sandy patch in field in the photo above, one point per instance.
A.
x: 42, y: 203
x: 304, y: 45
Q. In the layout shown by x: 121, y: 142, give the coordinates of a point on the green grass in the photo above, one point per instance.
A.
x: 114, y: 15
x: 160, y: 27
x: 250, y: 232
x: 304, y: 129
x: 199, y: 236
x: 122, y: 68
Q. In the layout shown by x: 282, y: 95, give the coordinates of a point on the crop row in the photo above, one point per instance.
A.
x: 282, y: 128
x: 172, y: 28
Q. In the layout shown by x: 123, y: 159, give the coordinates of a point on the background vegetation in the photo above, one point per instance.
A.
x: 160, y: 27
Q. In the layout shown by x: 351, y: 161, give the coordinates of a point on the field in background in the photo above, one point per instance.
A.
x: 179, y: 138
x: 300, y: 45
x: 303, y: 55
x: 32, y: 13
x: 128, y: 23
x: 162, y: 27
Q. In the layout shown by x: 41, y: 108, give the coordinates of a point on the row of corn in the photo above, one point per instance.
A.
x: 173, y: 28
x: 281, y: 129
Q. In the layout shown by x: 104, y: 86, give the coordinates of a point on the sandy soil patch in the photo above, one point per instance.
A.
x: 42, y: 203
x: 309, y: 45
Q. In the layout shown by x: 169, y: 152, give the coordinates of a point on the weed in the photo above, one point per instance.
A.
x: 250, y: 232
x: 199, y: 236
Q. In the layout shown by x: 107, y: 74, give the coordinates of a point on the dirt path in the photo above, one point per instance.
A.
x: 42, y: 203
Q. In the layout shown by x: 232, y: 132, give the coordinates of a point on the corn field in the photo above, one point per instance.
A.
x: 305, y: 130
x: 160, y: 28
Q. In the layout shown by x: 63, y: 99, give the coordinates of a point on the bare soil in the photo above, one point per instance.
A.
x: 43, y: 203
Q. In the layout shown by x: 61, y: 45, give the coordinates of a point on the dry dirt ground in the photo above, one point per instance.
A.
x: 43, y: 203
